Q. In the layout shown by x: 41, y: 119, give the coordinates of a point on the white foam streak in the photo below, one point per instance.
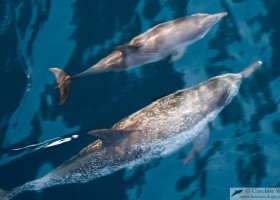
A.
x: 47, y: 144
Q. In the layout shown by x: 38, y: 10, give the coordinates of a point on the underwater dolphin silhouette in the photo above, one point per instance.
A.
x: 170, y: 38
x: 236, y: 192
x: 155, y: 131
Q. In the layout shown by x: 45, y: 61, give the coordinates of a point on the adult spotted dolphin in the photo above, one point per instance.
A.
x: 170, y: 38
x: 155, y: 131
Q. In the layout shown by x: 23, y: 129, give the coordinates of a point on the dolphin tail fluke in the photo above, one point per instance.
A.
x: 251, y: 69
x: 63, y: 83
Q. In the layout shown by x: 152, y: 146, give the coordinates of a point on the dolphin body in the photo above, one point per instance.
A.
x: 152, y: 132
x: 170, y: 38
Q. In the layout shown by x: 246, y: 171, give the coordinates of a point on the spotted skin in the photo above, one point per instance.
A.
x: 155, y: 131
x: 166, y: 39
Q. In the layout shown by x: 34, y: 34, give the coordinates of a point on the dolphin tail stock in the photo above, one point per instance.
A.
x: 63, y: 83
x: 251, y: 69
x: 3, y: 195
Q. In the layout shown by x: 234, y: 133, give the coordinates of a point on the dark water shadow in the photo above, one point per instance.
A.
x: 138, y: 179
x: 13, y: 66
x: 251, y: 168
x: 13, y: 79
x: 200, y: 173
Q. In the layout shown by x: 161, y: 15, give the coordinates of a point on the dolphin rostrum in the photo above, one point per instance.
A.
x: 155, y: 131
x: 170, y: 38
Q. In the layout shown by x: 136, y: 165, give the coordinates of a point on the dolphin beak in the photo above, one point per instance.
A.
x: 251, y: 69
x: 213, y: 19
x: 220, y: 15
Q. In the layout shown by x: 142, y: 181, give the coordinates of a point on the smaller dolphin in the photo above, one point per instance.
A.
x: 170, y: 38
x: 236, y: 192
x: 155, y: 131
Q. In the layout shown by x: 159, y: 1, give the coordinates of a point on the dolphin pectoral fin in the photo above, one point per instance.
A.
x: 127, y: 49
x: 177, y: 55
x: 110, y: 135
x: 198, y: 143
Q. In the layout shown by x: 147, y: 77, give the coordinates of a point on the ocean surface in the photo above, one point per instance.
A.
x: 35, y: 35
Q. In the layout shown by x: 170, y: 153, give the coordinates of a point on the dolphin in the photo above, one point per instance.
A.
x: 236, y: 192
x: 170, y: 38
x: 155, y: 131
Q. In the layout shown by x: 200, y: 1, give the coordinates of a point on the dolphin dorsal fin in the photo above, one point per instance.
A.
x: 177, y: 54
x: 128, y: 49
x: 110, y: 135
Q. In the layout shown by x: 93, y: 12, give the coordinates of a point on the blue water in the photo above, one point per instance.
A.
x: 35, y: 35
